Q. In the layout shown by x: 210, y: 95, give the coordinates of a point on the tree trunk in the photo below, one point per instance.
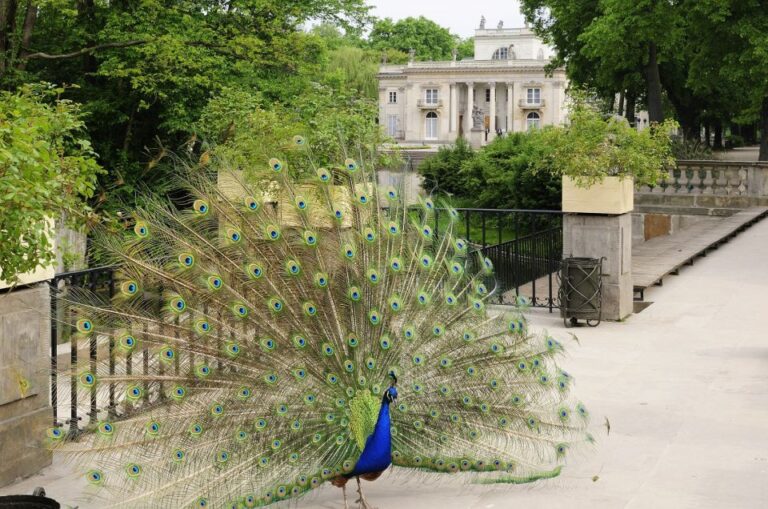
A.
x: 718, y: 144
x: 749, y: 134
x: 621, y: 104
x: 7, y: 27
x: 26, y: 33
x: 653, y: 83
x: 763, y: 156
x: 631, y: 100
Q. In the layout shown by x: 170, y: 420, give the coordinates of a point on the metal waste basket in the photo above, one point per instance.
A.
x: 581, y: 288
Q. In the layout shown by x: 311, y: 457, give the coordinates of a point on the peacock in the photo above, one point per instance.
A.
x: 299, y: 325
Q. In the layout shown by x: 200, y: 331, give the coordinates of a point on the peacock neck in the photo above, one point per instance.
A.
x: 382, y: 428
x: 377, y: 454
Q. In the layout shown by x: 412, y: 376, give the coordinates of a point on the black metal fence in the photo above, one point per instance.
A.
x: 100, y: 282
x: 525, y: 247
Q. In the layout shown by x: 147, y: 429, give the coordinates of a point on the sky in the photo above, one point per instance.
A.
x: 461, y: 17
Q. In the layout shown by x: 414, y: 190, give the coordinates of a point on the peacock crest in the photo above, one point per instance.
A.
x: 303, y: 323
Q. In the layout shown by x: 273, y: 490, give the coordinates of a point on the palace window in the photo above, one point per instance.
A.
x: 533, y: 120
x: 430, y: 126
x: 534, y: 96
x: 487, y: 95
x: 501, y: 54
x: 392, y: 97
x: 430, y: 96
x: 392, y: 125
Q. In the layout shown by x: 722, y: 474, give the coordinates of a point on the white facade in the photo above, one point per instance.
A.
x: 505, y: 86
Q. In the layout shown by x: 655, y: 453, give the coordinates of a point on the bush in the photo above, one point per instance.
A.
x: 442, y: 172
x: 734, y: 141
x: 691, y: 150
x: 502, y: 176
x: 47, y: 167
x: 591, y: 147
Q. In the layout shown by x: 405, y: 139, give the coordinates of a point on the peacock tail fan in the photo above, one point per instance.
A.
x: 255, y: 327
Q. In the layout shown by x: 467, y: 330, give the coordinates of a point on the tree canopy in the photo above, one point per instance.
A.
x: 701, y: 61
x: 427, y: 39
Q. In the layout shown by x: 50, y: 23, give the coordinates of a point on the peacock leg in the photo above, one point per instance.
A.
x: 344, y: 492
x: 363, y: 503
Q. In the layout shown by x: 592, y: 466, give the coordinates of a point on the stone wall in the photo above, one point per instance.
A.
x: 648, y: 225
x: 25, y: 411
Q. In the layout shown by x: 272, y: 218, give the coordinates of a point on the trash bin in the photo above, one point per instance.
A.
x: 580, y: 293
x: 37, y: 500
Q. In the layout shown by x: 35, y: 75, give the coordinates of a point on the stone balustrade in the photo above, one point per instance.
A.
x: 710, y: 185
x: 721, y: 178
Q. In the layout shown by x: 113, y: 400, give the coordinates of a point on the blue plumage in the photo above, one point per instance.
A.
x: 377, y: 454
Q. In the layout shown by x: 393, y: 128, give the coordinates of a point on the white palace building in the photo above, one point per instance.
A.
x: 503, y: 89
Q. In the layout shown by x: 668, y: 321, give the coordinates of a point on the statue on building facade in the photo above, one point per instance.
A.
x: 477, y: 117
x: 454, y: 54
x: 411, y: 55
x: 500, y: 25
x: 482, y: 22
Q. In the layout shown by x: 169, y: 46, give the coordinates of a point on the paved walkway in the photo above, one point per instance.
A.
x: 654, y: 259
x: 684, y: 385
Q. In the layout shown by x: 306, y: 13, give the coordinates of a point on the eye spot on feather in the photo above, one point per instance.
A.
x: 106, y: 429
x: 323, y: 175
x: 141, y: 229
x: 272, y: 232
x: 233, y: 235
x: 129, y: 288
x: 276, y: 165
x: 87, y: 379
x: 95, y: 477
x: 178, y: 393
x: 186, y: 260
x: 200, y: 207
x: 350, y: 165
x: 251, y: 203
x: 84, y: 326
x: 215, y: 282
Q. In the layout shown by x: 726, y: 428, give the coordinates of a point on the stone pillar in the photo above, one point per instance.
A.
x: 510, y: 110
x: 470, y: 107
x: 608, y: 236
x: 454, y: 108
x: 25, y: 411
x: 517, y: 124
x: 492, y: 112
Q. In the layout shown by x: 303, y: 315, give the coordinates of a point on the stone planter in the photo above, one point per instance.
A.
x: 613, y: 195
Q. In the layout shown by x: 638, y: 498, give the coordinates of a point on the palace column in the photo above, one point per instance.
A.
x: 510, y: 111
x: 492, y: 112
x: 518, y: 94
x: 454, y: 108
x: 470, y: 107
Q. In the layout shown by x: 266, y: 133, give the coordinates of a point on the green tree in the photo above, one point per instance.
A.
x: 731, y: 61
x: 429, y: 40
x: 466, y: 48
x: 146, y: 69
x: 47, y: 167
x: 610, y: 45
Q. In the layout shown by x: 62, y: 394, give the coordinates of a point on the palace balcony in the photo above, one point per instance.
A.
x: 524, y: 104
x: 432, y: 105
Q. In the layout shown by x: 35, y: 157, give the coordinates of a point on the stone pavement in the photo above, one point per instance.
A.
x: 684, y: 385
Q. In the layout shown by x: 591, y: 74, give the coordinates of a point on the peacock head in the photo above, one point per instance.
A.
x: 391, y: 393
